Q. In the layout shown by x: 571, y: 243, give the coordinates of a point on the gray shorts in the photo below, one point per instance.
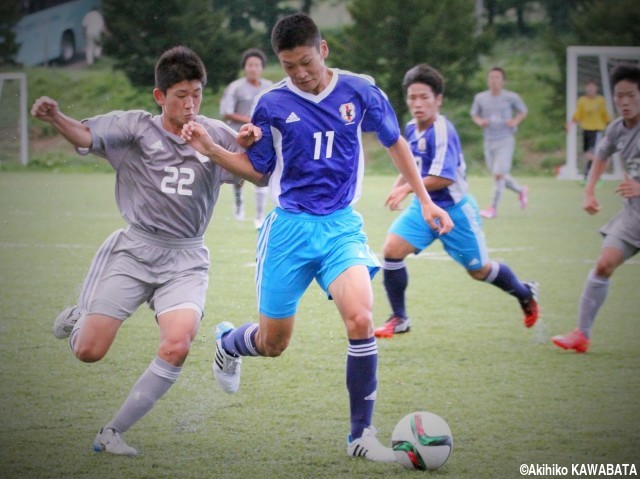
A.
x: 132, y: 267
x: 498, y: 155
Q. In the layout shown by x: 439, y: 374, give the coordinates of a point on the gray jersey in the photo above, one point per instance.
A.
x: 620, y: 139
x: 163, y: 186
x: 497, y: 109
x: 239, y: 96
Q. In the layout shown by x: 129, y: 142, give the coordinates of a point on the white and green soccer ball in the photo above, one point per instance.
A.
x: 422, y: 440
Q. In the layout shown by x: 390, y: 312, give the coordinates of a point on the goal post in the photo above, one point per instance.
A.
x: 14, y: 130
x: 583, y: 63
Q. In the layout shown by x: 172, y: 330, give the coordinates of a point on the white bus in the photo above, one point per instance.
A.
x: 51, y: 29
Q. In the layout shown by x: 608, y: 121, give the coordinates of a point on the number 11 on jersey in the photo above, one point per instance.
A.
x: 318, y: 142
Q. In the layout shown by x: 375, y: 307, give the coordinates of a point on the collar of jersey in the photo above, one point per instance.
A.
x: 322, y: 95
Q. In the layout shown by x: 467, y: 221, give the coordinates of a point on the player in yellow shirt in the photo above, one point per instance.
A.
x: 592, y: 116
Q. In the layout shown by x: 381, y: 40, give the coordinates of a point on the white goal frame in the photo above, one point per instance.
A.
x: 569, y: 171
x: 24, y: 129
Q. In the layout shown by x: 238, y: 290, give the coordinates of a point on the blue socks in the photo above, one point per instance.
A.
x: 362, y: 364
x: 241, y: 341
x: 505, y: 279
x: 395, y: 280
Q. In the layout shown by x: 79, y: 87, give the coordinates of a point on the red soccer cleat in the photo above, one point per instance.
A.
x: 576, y: 340
x: 530, y: 306
x: 523, y: 197
x: 393, y: 325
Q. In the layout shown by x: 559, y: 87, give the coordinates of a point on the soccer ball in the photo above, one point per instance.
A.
x: 422, y: 440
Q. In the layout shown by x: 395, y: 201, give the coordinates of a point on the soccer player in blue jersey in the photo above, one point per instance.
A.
x: 310, y: 126
x: 436, y: 147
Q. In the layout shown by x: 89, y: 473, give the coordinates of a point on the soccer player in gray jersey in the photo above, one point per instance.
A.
x: 236, y: 107
x: 499, y: 112
x: 165, y: 192
x: 621, y: 234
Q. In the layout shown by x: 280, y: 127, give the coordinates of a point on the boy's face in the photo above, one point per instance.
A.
x: 423, y: 104
x: 495, y: 80
x: 253, y: 68
x: 626, y: 96
x: 305, y: 66
x: 591, y: 89
x: 180, y: 104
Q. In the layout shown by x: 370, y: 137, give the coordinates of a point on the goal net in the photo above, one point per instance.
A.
x: 584, y: 63
x: 14, y: 139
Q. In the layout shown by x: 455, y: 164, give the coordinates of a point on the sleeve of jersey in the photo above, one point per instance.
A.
x: 380, y: 117
x: 111, y: 134
x: 227, y: 102
x: 262, y: 153
x: 606, y: 146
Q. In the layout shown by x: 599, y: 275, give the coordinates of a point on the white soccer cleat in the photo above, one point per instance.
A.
x: 226, y: 368
x: 112, y: 442
x: 66, y: 320
x: 369, y: 447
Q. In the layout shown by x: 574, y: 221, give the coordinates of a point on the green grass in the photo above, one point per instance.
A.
x: 508, y: 395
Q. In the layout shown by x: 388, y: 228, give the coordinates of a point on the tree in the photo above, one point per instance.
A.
x: 141, y: 31
x: 9, y: 16
x: 387, y: 38
x: 608, y: 23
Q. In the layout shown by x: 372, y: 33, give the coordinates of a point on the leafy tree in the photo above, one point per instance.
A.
x: 9, y: 16
x: 141, y: 31
x: 608, y: 23
x: 244, y: 15
x: 387, y: 38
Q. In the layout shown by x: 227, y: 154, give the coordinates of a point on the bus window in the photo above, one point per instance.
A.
x: 51, y: 29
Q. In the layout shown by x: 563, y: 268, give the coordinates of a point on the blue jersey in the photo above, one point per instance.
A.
x: 312, y: 144
x: 438, y: 152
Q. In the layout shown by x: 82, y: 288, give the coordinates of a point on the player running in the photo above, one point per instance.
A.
x: 436, y: 147
x: 311, y: 145
x: 621, y: 234
x: 165, y: 192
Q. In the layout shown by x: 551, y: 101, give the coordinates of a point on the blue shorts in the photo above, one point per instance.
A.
x: 295, y: 248
x: 465, y: 243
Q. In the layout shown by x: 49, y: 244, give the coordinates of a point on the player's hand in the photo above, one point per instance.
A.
x: 45, y: 109
x: 197, y: 136
x: 629, y: 188
x: 437, y: 218
x: 590, y: 204
x: 396, y: 196
x: 248, y: 135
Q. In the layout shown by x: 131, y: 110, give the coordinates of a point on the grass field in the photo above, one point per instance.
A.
x: 509, y: 396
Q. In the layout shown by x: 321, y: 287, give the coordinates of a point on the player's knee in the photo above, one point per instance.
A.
x: 359, y: 324
x: 88, y: 353
x: 174, y: 351
x: 605, y: 268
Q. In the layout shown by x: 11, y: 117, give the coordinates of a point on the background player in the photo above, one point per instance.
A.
x: 236, y: 106
x: 166, y: 192
x: 493, y: 111
x: 592, y: 116
x: 621, y: 234
x: 311, y: 145
x: 436, y: 147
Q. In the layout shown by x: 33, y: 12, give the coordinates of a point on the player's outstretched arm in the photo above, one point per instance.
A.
x: 237, y: 163
x: 437, y: 218
x: 76, y: 133
x: 590, y: 203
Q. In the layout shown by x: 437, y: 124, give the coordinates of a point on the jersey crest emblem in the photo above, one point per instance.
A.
x: 422, y: 144
x: 348, y: 112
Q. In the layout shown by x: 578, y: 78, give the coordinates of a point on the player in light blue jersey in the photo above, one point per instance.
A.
x: 438, y: 153
x: 309, y: 128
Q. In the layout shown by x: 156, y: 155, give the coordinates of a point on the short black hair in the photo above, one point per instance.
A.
x: 625, y: 71
x: 253, y: 52
x: 499, y: 69
x: 178, y: 64
x: 426, y: 74
x: 293, y: 31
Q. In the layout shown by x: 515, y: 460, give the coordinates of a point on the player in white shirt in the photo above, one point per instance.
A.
x: 309, y: 128
x: 165, y: 192
x: 236, y: 107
